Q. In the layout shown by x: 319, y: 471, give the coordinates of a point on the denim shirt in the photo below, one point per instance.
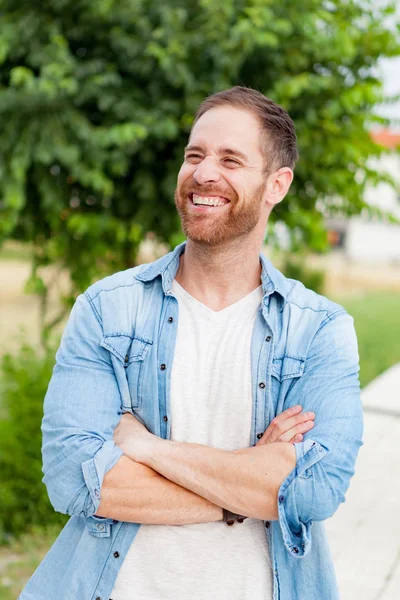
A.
x: 116, y: 356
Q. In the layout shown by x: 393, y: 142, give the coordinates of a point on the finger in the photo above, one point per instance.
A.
x: 292, y: 422
x: 290, y: 412
x: 283, y: 423
x: 275, y: 428
x: 297, y: 438
x: 300, y: 428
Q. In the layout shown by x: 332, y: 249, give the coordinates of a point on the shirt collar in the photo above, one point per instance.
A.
x: 167, y: 266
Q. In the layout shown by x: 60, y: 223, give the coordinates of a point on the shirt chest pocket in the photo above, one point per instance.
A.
x: 287, y: 367
x: 130, y: 357
x: 286, y: 370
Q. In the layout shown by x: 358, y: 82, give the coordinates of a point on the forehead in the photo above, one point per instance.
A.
x: 229, y: 127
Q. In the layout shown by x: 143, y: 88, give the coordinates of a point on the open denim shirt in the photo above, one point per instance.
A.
x: 304, y: 351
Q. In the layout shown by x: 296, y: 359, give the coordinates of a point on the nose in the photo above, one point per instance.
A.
x: 206, y: 171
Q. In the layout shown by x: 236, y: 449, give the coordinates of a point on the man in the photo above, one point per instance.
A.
x: 212, y: 355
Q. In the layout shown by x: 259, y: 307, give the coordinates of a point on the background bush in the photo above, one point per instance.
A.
x: 96, y: 103
x: 23, y: 496
x: 97, y: 100
x: 295, y: 267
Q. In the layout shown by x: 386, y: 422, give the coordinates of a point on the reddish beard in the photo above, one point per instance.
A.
x: 236, y: 219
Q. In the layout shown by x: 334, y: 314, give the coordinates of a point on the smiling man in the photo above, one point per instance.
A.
x: 239, y: 395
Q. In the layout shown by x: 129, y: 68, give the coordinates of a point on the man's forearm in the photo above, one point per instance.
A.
x: 244, y: 481
x: 135, y: 493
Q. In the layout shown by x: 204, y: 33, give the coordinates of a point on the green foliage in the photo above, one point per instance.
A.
x: 295, y: 267
x: 97, y: 99
x: 375, y: 312
x: 21, y: 556
x: 23, y: 497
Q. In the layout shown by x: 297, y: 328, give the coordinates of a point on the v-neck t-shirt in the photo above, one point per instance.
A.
x: 210, y: 404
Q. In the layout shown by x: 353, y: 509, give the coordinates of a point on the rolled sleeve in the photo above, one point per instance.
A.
x: 295, y: 490
x: 95, y: 468
x: 81, y: 410
x: 325, y: 460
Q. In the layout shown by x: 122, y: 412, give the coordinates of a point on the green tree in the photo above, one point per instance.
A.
x: 23, y: 496
x: 97, y: 99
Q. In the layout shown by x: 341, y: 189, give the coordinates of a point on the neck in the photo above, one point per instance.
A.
x: 220, y: 276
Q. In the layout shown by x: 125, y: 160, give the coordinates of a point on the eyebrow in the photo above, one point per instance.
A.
x: 230, y: 151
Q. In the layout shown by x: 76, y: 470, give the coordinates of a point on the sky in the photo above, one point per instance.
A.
x: 390, y: 70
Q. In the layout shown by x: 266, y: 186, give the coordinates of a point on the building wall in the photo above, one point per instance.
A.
x: 368, y: 239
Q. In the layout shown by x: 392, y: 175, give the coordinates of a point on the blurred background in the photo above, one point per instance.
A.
x: 96, y: 103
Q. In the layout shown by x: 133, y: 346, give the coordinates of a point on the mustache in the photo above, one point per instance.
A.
x: 204, y: 190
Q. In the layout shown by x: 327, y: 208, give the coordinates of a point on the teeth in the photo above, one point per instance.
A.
x: 214, y: 201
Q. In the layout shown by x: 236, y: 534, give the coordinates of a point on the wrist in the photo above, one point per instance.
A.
x: 218, y: 514
x: 147, y: 451
x: 141, y: 449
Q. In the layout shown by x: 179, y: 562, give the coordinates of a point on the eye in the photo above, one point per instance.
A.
x: 193, y: 157
x: 231, y: 162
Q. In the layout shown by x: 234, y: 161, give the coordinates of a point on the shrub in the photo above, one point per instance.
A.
x: 296, y: 268
x: 23, y: 496
x: 97, y: 100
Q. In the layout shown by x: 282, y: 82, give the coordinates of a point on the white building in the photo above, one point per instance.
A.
x: 370, y: 239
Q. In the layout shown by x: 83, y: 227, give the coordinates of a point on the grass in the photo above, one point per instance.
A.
x: 377, y: 322
x: 19, y: 559
x: 12, y: 250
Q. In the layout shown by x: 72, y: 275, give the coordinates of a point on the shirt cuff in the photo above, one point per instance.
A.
x: 94, y: 470
x: 296, y: 492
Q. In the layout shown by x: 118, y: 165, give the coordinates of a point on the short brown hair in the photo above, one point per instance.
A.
x: 278, y: 135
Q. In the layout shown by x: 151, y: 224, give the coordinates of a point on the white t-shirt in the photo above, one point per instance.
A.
x: 211, y: 404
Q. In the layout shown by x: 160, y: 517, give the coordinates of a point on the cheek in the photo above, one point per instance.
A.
x: 249, y: 186
x: 184, y: 172
x: 236, y: 183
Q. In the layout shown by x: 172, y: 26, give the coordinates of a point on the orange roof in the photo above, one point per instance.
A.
x: 386, y: 138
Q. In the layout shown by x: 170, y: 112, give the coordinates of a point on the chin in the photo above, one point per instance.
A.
x: 208, y: 238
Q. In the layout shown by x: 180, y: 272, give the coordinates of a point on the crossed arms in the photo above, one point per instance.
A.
x: 175, y: 483
x: 88, y: 474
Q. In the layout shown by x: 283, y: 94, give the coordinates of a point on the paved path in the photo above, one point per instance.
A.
x: 365, y: 531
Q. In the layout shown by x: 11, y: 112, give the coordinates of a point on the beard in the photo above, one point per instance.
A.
x: 237, y: 219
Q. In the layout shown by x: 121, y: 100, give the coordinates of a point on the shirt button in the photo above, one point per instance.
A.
x: 163, y: 367
x: 126, y: 359
x: 165, y: 418
x: 268, y: 338
x: 261, y: 385
x: 281, y: 499
x: 170, y: 319
x: 267, y: 524
x: 116, y: 554
x: 295, y: 550
x: 100, y: 526
x: 98, y: 598
x: 259, y: 436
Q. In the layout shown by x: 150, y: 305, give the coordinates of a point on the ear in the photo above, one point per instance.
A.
x: 278, y: 184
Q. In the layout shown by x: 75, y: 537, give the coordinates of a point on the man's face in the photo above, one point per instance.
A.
x: 221, y: 184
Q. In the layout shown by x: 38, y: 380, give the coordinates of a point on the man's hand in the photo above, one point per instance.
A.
x: 289, y: 426
x: 132, y: 437
x: 245, y: 481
